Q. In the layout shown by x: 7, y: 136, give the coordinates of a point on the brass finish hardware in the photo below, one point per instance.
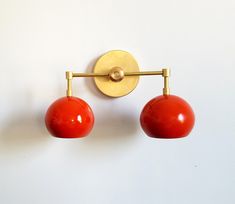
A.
x: 108, y: 63
x: 116, y: 74
x: 69, y: 77
x: 166, y: 74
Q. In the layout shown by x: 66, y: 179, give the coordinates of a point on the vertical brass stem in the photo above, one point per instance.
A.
x: 166, y: 74
x: 69, y: 77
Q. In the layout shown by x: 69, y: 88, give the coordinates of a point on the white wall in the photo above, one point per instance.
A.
x: 117, y: 163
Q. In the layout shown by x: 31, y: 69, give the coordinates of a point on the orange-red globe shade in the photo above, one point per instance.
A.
x: 167, y: 117
x: 69, y: 117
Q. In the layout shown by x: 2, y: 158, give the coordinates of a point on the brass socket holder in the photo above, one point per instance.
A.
x: 116, y: 74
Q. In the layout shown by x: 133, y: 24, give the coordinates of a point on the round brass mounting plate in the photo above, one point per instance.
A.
x: 111, y: 59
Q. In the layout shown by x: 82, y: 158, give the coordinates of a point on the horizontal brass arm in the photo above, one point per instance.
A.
x: 145, y: 73
x: 89, y: 75
x: 116, y: 74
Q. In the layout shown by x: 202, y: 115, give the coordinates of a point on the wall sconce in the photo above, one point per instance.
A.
x: 116, y: 74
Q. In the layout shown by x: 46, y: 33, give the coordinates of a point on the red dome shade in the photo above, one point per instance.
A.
x: 69, y: 117
x: 167, y: 116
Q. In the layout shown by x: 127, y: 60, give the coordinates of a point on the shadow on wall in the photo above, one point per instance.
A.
x: 23, y: 133
x: 115, y: 126
x: 90, y: 83
x: 115, y: 131
x: 111, y: 135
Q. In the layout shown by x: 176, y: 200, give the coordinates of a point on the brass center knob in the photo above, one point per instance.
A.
x: 116, y: 74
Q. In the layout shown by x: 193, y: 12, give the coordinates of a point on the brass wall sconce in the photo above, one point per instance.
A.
x: 116, y: 74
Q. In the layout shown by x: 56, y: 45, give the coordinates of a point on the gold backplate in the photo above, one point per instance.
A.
x: 116, y: 58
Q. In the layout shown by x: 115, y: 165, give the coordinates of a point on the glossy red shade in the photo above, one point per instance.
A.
x: 69, y: 117
x: 167, y: 117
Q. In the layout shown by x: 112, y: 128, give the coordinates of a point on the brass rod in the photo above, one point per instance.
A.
x: 145, y: 73
x: 166, y: 89
x: 69, y: 85
x: 125, y: 74
x: 166, y: 82
x: 166, y: 74
x: 89, y: 75
x: 69, y: 77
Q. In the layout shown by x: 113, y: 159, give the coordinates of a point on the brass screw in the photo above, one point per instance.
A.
x: 116, y: 74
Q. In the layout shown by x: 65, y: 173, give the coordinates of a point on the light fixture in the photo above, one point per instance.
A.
x: 116, y: 74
